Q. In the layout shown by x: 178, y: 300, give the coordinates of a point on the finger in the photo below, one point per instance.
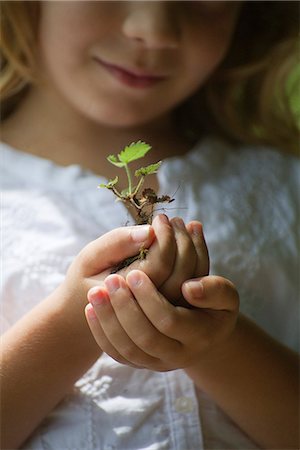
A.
x: 136, y: 325
x: 160, y: 258
x: 161, y: 313
x: 178, y: 323
x: 195, y: 230
x: 99, y: 335
x: 116, y: 341
x: 185, y: 262
x: 212, y: 292
x: 113, y: 247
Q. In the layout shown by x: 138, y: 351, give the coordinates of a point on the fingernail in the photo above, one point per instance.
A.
x: 197, y: 229
x: 163, y: 219
x: 195, y: 288
x: 140, y: 233
x: 112, y: 283
x: 90, y: 312
x: 134, y: 278
x: 178, y: 223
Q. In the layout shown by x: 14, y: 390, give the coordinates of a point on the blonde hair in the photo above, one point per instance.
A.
x: 246, y: 100
x: 250, y: 96
x: 19, y: 22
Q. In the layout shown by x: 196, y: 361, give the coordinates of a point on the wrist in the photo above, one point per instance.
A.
x: 69, y: 310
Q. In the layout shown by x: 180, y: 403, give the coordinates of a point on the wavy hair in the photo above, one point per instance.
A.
x: 249, y: 97
x: 247, y: 100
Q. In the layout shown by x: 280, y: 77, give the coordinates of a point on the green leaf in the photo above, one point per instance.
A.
x: 113, y: 159
x: 148, y: 170
x: 135, y: 150
x: 110, y: 184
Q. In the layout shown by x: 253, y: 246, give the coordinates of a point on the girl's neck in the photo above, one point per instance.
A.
x: 53, y: 130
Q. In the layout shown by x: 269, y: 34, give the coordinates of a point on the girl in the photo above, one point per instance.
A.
x: 205, y: 83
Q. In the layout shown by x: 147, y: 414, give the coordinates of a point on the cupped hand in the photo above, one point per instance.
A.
x: 96, y: 259
x: 136, y: 325
x: 178, y: 253
x: 191, y: 260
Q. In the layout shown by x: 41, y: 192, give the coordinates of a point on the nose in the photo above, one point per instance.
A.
x: 152, y: 24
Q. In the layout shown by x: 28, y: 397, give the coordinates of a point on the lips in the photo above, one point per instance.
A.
x: 129, y: 77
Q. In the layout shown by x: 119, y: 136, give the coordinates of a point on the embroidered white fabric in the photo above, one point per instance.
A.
x: 247, y: 200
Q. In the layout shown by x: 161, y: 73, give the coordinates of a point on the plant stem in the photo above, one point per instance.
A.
x: 129, y: 179
x: 139, y: 185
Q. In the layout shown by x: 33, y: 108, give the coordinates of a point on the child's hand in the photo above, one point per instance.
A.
x: 191, y: 260
x: 175, y: 254
x: 100, y: 255
x: 97, y: 259
x: 136, y: 325
x: 179, y: 253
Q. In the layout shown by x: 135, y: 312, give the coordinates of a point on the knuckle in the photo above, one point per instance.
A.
x: 146, y: 341
x: 159, y: 267
x: 82, y: 259
x: 168, y: 324
x: 167, y: 246
x: 186, y: 244
x: 187, y: 263
x: 129, y: 352
x: 158, y: 271
x: 203, y: 264
x: 85, y: 260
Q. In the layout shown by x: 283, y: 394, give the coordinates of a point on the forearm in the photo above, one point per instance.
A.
x: 255, y: 381
x: 42, y: 356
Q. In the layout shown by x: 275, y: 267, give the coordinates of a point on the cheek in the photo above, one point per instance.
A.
x: 211, y: 42
x: 202, y: 61
x: 66, y: 31
x: 210, y: 30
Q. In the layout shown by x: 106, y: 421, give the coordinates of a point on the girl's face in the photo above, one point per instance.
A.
x: 129, y: 62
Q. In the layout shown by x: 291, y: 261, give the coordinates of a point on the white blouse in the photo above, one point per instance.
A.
x: 248, y: 202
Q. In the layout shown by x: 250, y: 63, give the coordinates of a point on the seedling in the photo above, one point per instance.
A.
x: 136, y: 195
x: 142, y: 199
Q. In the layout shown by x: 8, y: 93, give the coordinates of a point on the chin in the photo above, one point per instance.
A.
x: 120, y: 119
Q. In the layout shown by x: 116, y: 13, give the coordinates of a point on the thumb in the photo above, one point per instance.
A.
x: 113, y: 247
x: 211, y: 292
